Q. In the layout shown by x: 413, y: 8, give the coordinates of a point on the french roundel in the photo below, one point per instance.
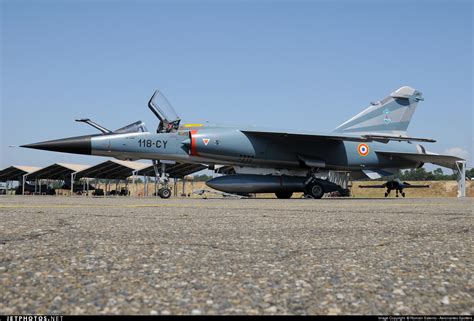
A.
x: 363, y: 149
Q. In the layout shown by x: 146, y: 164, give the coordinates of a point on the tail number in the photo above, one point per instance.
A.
x: 152, y: 143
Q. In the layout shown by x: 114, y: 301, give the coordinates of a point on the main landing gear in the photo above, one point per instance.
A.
x: 314, y: 189
x: 164, y: 191
x: 387, y: 193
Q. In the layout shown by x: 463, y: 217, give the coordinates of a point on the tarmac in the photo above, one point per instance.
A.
x: 78, y: 255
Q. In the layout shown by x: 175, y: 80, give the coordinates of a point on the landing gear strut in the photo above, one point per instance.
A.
x: 396, y: 192
x: 164, y: 191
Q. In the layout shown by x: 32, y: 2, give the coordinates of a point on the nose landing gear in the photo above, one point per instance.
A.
x: 164, y: 191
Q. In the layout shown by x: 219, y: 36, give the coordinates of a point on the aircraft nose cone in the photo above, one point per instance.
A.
x: 74, y: 145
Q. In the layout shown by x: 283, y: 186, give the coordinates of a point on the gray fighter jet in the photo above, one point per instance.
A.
x: 395, y: 184
x: 373, y: 143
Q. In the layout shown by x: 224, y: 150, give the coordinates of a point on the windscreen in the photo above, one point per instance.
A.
x: 136, y: 127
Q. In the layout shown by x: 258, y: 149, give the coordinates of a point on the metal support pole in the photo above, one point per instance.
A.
x: 134, y: 174
x: 175, y: 187
x: 23, y: 185
x: 184, y: 186
x: 461, y: 178
x: 145, y: 185
x: 72, y: 183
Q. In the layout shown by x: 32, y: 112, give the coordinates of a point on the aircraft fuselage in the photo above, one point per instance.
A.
x: 231, y: 146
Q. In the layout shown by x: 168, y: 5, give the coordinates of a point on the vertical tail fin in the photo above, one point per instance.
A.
x: 391, y: 116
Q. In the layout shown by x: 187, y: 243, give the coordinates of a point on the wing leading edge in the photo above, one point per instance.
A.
x: 441, y: 160
x: 338, y: 137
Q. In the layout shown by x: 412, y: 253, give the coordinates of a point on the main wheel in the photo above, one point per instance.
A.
x: 164, y: 193
x: 283, y: 195
x: 315, y: 190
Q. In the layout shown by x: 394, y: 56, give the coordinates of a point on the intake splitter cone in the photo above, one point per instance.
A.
x: 74, y: 145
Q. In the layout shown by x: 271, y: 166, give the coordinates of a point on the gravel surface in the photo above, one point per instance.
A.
x: 64, y: 255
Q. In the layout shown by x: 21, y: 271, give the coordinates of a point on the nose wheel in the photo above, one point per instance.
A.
x: 164, y: 192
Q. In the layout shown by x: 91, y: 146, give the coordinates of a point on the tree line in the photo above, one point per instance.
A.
x: 421, y: 174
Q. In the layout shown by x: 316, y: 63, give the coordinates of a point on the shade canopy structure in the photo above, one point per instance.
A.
x: 15, y: 172
x: 178, y: 170
x: 56, y: 171
x: 112, y: 169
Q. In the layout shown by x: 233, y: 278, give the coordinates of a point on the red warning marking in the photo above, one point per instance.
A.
x: 193, y: 142
x: 363, y: 149
x: 206, y: 141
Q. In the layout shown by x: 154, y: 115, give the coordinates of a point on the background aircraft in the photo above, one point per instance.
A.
x: 373, y: 143
x: 396, y: 185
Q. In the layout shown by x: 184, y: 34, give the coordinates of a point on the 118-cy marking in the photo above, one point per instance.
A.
x: 149, y: 143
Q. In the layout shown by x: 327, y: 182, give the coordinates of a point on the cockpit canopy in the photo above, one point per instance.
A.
x: 161, y: 107
x: 136, y: 127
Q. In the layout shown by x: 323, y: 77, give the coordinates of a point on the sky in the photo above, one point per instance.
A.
x: 302, y: 65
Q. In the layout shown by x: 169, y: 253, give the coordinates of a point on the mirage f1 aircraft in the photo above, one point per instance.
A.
x: 396, y: 185
x: 373, y: 143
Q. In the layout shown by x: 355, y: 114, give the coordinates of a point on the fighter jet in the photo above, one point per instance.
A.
x: 374, y: 143
x: 396, y: 185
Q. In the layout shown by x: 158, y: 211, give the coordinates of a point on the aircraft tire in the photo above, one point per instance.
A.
x: 315, y: 190
x: 403, y: 194
x: 164, y: 193
x: 283, y: 195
